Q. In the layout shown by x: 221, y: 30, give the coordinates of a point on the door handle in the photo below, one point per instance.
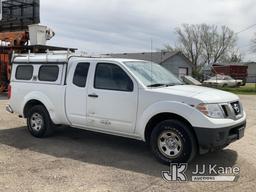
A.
x: 93, y: 95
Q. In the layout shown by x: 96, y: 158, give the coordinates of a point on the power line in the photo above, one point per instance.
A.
x: 251, y: 45
x: 246, y: 29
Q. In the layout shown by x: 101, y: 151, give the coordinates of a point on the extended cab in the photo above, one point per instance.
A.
x: 129, y: 98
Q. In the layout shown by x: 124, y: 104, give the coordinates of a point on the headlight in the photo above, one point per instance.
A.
x: 211, y: 110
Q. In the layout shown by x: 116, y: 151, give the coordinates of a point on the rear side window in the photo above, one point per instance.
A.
x: 111, y: 77
x: 80, y: 75
x: 24, y: 72
x: 48, y: 73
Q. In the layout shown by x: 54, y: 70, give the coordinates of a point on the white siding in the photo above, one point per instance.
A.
x: 251, y: 73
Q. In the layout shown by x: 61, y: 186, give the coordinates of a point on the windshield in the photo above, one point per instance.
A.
x: 217, y: 78
x: 227, y: 78
x: 221, y: 78
x: 152, y: 74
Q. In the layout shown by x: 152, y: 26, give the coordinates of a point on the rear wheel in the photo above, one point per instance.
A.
x: 39, y: 122
x: 172, y: 142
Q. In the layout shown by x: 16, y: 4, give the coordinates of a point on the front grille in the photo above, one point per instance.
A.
x: 224, y: 110
x: 236, y: 107
x: 232, y: 110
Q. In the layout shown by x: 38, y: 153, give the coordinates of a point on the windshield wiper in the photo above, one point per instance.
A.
x: 157, y: 85
x: 163, y: 85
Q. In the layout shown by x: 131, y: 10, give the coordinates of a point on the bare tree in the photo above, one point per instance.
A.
x: 189, y: 42
x: 209, y: 41
x: 205, y: 44
x: 233, y: 56
x: 168, y: 47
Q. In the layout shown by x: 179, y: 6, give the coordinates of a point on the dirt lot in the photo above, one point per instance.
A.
x: 76, y: 160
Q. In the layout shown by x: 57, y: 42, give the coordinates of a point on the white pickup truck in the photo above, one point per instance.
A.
x: 129, y: 98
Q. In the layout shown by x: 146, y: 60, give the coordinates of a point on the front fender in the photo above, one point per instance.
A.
x: 41, y: 97
x: 178, y: 108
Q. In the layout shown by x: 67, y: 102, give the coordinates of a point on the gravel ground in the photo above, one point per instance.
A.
x: 76, y: 160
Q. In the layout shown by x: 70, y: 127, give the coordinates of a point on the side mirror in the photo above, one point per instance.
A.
x: 130, y: 86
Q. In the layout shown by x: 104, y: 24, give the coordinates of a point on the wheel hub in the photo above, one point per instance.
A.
x: 36, y: 122
x: 169, y: 144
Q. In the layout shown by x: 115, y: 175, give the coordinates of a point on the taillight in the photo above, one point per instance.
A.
x: 9, y: 91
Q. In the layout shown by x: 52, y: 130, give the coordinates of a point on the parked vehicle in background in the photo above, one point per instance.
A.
x: 237, y: 72
x: 124, y: 97
x: 223, y: 81
x: 191, y: 81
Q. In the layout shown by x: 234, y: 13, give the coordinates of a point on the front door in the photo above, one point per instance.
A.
x: 76, y: 94
x: 112, y: 99
x: 183, y: 71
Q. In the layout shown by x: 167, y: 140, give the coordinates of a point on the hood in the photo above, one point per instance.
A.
x: 204, y: 94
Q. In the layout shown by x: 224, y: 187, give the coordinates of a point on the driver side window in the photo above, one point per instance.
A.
x: 112, y: 77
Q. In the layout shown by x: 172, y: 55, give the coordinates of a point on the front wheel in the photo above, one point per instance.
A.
x: 173, y: 142
x: 39, y: 122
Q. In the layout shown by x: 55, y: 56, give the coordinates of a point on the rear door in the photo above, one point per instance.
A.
x: 76, y: 93
x: 112, y: 99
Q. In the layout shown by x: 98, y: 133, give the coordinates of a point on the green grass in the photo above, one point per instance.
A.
x: 248, y: 89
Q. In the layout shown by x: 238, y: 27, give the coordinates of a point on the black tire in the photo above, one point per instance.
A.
x: 186, y: 137
x: 47, y: 127
x: 244, y: 82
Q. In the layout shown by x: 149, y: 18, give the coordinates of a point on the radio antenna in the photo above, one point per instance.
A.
x: 151, y: 59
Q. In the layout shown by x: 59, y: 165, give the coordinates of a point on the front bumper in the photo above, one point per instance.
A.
x: 210, y: 139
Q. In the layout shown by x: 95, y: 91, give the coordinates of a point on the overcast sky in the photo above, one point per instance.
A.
x: 108, y: 26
